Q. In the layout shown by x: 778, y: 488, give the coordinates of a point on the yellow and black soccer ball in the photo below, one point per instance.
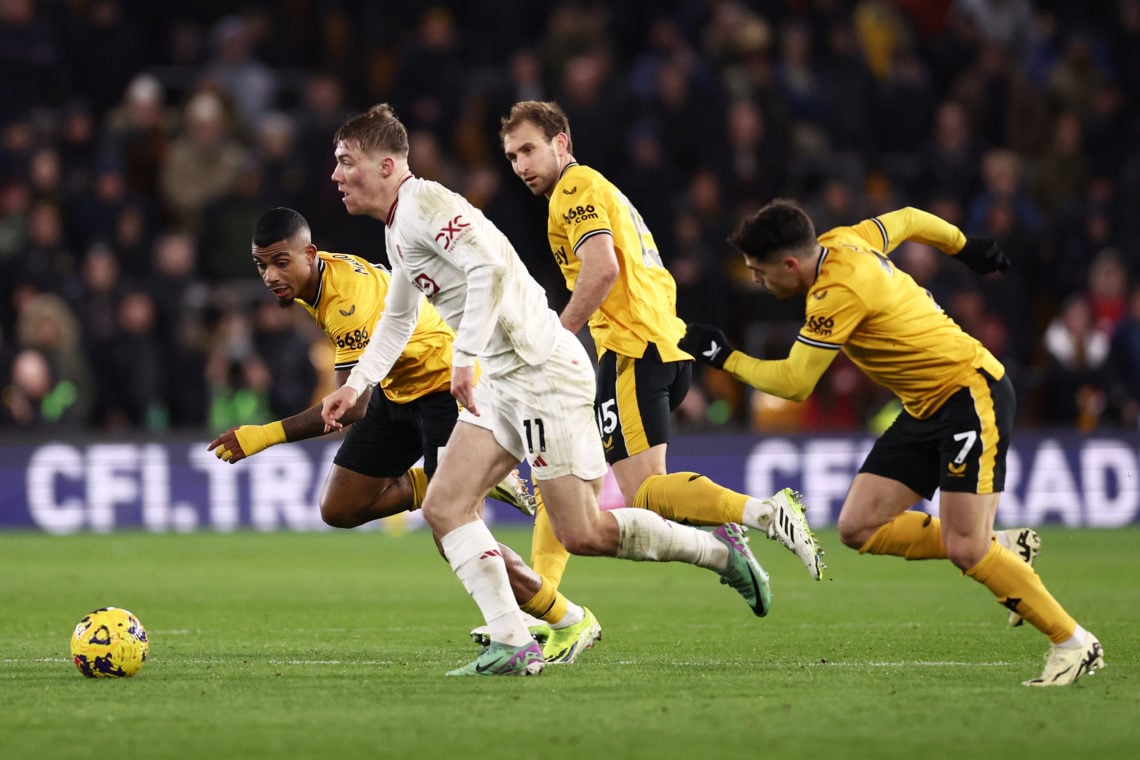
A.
x: 109, y: 643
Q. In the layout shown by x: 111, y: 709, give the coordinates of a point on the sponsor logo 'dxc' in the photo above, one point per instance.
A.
x: 450, y: 230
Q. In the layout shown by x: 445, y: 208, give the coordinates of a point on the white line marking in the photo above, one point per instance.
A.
x: 675, y: 663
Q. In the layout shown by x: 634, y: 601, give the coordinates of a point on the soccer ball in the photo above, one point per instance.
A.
x: 109, y: 643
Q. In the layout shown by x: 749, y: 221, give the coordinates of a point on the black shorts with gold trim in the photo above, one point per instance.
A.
x: 961, y: 447
x: 635, y: 399
x: 390, y: 437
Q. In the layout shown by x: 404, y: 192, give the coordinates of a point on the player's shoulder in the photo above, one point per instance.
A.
x: 579, y: 178
x: 843, y: 235
x: 337, y: 259
x: 578, y: 182
x: 843, y: 266
x: 425, y: 206
x: 428, y: 196
x: 338, y: 266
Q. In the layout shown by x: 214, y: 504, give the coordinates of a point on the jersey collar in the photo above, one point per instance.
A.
x: 396, y: 202
x: 819, y: 264
x: 320, y: 282
x: 562, y: 174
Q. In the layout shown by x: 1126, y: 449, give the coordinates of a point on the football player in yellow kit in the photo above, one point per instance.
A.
x: 958, y: 403
x: 628, y: 298
x: 373, y: 474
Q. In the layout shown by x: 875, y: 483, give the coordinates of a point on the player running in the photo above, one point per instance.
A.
x: 534, y: 399
x: 958, y: 402
x: 621, y: 290
x: 412, y: 416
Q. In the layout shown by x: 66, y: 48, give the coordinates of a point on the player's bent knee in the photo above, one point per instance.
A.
x: 965, y: 553
x: 585, y: 543
x: 854, y: 534
x: 340, y: 516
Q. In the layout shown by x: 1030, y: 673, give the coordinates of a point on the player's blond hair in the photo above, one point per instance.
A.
x: 375, y: 130
x: 546, y: 115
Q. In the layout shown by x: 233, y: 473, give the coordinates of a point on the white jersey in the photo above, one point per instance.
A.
x: 442, y: 247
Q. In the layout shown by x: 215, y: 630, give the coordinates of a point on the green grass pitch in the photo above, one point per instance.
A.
x: 331, y: 645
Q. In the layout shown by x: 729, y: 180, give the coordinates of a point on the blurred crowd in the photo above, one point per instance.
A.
x: 140, y: 141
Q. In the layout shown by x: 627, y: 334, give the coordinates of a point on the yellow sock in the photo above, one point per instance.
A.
x: 914, y: 535
x: 548, y: 556
x: 1018, y: 587
x: 548, y: 603
x: 419, y: 480
x: 690, y: 498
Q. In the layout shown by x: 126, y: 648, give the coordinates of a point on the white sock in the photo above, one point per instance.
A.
x: 475, y: 557
x: 646, y: 536
x: 758, y: 514
x: 573, y: 616
x: 1078, y: 639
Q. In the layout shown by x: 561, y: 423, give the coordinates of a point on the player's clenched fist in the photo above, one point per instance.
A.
x: 983, y: 256
x: 707, y: 343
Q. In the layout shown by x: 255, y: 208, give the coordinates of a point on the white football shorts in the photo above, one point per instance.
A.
x: 545, y: 413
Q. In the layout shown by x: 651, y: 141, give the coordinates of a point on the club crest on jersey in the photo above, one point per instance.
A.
x: 425, y: 283
x: 451, y: 231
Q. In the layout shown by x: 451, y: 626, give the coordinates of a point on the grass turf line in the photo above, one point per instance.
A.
x: 335, y: 644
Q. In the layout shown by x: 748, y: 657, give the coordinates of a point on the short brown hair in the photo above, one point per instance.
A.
x: 776, y: 228
x: 377, y: 129
x: 546, y: 115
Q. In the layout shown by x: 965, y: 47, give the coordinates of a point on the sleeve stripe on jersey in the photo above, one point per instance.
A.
x: 589, y: 235
x: 883, y: 230
x: 817, y: 343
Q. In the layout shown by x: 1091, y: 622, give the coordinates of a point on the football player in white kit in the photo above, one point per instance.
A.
x: 534, y: 399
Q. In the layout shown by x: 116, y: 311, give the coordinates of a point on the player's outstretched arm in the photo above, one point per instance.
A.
x: 792, y: 378
x: 886, y: 231
x: 237, y: 443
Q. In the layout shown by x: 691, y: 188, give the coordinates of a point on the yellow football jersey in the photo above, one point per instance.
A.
x: 641, y: 307
x: 885, y: 322
x: 350, y: 300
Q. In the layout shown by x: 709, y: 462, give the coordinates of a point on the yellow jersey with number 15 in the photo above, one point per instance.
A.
x: 641, y: 307
x: 350, y: 300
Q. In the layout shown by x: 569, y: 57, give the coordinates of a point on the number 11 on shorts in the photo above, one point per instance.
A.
x: 535, y: 428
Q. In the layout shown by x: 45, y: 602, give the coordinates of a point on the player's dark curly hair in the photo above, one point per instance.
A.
x: 278, y: 224
x: 776, y: 228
